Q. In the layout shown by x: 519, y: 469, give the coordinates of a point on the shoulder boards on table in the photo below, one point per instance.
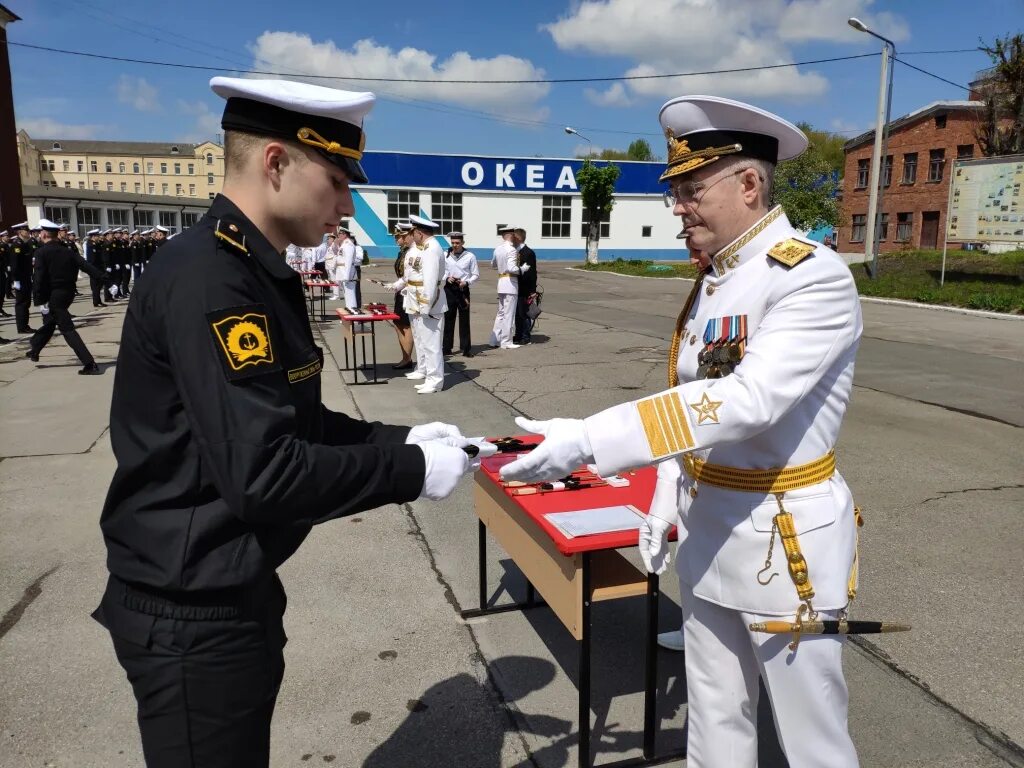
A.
x: 792, y: 251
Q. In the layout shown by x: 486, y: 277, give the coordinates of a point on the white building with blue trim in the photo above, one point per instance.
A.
x: 474, y: 194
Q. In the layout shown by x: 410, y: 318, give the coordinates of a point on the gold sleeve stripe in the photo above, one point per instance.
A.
x: 665, y: 425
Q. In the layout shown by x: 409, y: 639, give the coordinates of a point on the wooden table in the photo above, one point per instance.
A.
x: 311, y: 286
x: 571, y: 574
x: 361, y: 326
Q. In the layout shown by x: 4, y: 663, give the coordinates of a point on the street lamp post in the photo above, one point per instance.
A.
x: 574, y: 132
x: 881, y: 142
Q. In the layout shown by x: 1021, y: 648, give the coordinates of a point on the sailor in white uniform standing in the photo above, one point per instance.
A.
x: 426, y: 305
x: 506, y: 261
x: 760, y: 373
x: 345, y: 271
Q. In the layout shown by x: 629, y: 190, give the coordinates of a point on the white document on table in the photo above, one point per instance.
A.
x: 587, y: 522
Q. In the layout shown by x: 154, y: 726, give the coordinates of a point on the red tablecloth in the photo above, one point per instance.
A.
x: 346, y: 317
x: 319, y: 284
x: 638, y: 493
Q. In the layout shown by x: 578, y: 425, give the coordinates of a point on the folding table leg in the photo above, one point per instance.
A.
x: 373, y: 346
x: 481, y: 555
x: 651, y: 666
x: 584, y: 668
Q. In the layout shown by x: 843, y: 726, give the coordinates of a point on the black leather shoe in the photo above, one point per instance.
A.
x: 27, y: 329
x: 90, y: 370
x: 4, y: 314
x: 33, y: 356
x: 404, y: 367
x: 467, y: 353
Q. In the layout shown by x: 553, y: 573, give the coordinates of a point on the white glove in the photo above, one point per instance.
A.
x: 566, y: 446
x: 109, y: 269
x: 664, y: 513
x: 445, y: 467
x: 16, y: 285
x: 436, y: 430
x: 113, y: 290
x: 117, y: 266
x: 524, y: 269
x: 44, y: 309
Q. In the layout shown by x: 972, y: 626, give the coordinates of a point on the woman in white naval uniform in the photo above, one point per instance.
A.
x: 345, y: 272
x: 425, y: 302
x: 760, y: 377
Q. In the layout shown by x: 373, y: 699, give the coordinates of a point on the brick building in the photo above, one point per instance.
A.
x: 916, y: 174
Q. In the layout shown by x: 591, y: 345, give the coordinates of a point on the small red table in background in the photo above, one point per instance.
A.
x: 362, y: 325
x: 323, y: 285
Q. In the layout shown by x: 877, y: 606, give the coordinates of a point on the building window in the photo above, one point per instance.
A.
x: 142, y: 218
x: 887, y: 171
x: 169, y: 219
x: 940, y: 121
x: 862, y: 173
x: 117, y: 217
x: 121, y: 168
x: 66, y: 164
x: 93, y: 167
x: 138, y: 188
x: 81, y: 185
x: 177, y: 189
x: 58, y: 214
x: 883, y: 226
x: 964, y: 151
x: 209, y: 179
x: 152, y: 189
x: 81, y: 165
x: 937, y: 159
x: 42, y: 165
x: 149, y: 167
x: 904, y: 227
x: 96, y: 186
x: 135, y: 167
x: 188, y: 219
x: 191, y: 190
x: 177, y: 169
x: 108, y: 167
x: 52, y: 165
x: 556, y: 216
x: 645, y: 231
x: 910, y: 167
x: 88, y: 218
x: 67, y: 185
x: 606, y: 226
x: 446, y: 210
x: 213, y: 195
x: 163, y: 189
x: 174, y: 150
x: 191, y: 169
x: 124, y: 186
x: 110, y: 186
x: 209, y: 158
x: 163, y: 167
x: 859, y: 225
x: 402, y: 203
x: 56, y: 145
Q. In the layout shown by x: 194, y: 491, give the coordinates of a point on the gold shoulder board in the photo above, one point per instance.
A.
x: 791, y: 252
x: 231, y: 235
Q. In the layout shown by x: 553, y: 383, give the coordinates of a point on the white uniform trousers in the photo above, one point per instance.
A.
x: 807, y: 690
x: 349, y: 286
x: 502, y: 332
x: 426, y: 335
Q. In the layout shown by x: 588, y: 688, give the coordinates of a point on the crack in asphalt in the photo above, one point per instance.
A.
x: 947, y: 494
x: 32, y: 591
x: 950, y: 408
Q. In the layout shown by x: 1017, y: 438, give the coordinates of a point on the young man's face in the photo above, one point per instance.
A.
x: 457, y: 244
x: 313, y: 196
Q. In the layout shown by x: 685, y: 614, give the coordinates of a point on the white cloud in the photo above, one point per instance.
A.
x: 291, y: 52
x: 701, y: 35
x: 206, y: 122
x: 584, y: 150
x: 137, y: 92
x: 839, y: 125
x: 614, y: 96
x: 47, y: 128
x: 805, y: 20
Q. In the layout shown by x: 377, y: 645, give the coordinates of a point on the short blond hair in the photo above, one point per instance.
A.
x: 240, y: 145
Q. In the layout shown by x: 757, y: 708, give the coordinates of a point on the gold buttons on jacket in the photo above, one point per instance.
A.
x: 693, y: 492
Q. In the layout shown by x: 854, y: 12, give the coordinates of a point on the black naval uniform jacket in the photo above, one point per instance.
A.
x: 21, y: 261
x: 56, y: 269
x: 226, y: 456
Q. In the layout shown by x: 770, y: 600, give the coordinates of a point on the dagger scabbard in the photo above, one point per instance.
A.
x: 828, y: 627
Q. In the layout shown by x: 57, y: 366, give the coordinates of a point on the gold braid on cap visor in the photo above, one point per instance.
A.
x: 314, y: 139
x: 682, y: 160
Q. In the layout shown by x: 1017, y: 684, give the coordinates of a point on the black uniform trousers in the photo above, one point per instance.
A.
x: 456, y: 297
x: 60, y: 317
x: 22, y: 301
x: 524, y: 325
x: 205, y: 676
x: 5, y: 283
x: 95, y: 286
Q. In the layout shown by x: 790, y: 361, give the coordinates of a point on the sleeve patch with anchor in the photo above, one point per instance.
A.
x: 242, y: 335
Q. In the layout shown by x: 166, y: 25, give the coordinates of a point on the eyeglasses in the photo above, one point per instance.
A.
x: 684, y: 192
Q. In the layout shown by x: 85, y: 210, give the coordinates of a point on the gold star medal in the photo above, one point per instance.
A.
x: 707, y: 410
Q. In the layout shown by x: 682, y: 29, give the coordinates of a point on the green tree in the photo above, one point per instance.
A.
x: 806, y: 188
x: 1002, y: 129
x: 597, y: 188
x: 640, y: 150
x: 828, y: 145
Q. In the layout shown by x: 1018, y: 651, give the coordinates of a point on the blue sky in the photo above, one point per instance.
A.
x: 60, y: 96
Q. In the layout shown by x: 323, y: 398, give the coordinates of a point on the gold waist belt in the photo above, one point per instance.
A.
x: 775, y: 480
x: 417, y: 283
x: 505, y: 274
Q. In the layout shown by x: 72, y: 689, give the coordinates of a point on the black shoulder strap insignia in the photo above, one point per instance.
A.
x: 230, y: 234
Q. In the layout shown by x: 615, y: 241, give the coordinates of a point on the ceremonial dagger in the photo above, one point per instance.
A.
x: 828, y: 627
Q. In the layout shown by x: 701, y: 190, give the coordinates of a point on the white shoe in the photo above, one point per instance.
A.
x: 672, y: 641
x: 429, y: 389
x: 415, y: 375
x: 509, y: 345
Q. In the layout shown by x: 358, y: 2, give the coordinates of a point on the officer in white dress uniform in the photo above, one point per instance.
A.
x: 505, y: 260
x: 426, y: 305
x: 761, y: 370
x: 345, y: 271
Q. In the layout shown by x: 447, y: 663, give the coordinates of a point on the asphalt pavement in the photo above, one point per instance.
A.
x: 381, y: 669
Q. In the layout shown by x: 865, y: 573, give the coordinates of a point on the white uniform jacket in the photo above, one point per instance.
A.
x: 346, y: 270
x: 423, y: 291
x: 506, y: 261
x: 781, y: 406
x: 462, y: 267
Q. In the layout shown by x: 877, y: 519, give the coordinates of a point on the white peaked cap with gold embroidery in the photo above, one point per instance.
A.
x: 326, y: 119
x: 703, y: 129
